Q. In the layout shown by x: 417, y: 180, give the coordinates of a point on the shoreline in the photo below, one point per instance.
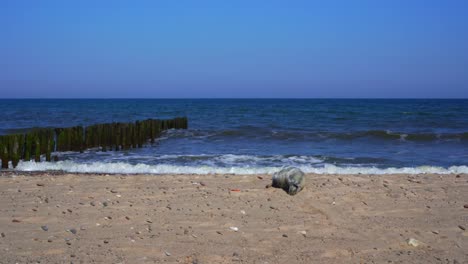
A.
x: 193, y: 218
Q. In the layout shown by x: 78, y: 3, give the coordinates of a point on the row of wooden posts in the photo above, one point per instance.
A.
x: 110, y: 136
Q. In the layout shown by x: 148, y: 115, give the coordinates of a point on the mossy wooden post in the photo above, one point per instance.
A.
x: 137, y: 134
x: 28, y: 146
x: 37, y: 148
x: 87, y: 141
x: 132, y: 135
x: 61, y: 139
x: 79, y: 138
x: 4, y: 151
x: 110, y: 137
x: 50, y: 144
x: 102, y: 139
x: 43, y: 141
x: 117, y: 135
x: 123, y: 136
x: 16, y: 145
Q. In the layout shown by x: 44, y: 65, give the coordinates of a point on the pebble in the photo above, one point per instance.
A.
x: 49, y: 240
x: 72, y: 255
x: 128, y: 218
x: 106, y: 242
x: 284, y: 235
x: 462, y: 227
x: 304, y: 233
x: 219, y: 232
x: 105, y: 204
x: 92, y: 203
x: 113, y: 191
x: 465, y: 206
x: 45, y: 228
x: 435, y: 232
x: 15, y: 221
x: 40, y: 184
x: 167, y: 253
x: 73, y: 231
x: 70, y: 210
x: 3, y: 234
x: 414, y: 242
x: 234, y: 228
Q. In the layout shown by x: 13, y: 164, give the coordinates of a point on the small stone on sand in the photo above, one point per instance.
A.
x: 414, y: 242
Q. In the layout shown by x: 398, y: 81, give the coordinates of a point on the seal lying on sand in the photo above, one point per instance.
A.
x: 290, y: 179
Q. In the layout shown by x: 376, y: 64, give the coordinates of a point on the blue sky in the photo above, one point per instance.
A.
x: 210, y: 49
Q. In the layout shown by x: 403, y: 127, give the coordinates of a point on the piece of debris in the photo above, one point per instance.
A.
x: 45, y: 228
x: 234, y: 228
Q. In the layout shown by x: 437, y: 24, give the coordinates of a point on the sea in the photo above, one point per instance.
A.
x: 260, y: 136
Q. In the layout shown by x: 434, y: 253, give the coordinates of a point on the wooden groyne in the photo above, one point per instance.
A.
x: 107, y: 137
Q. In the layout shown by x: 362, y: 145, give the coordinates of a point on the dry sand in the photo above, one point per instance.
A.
x: 188, y: 219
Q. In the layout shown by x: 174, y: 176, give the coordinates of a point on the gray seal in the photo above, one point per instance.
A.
x: 290, y: 179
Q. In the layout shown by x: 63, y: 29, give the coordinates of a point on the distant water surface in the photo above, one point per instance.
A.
x: 262, y: 135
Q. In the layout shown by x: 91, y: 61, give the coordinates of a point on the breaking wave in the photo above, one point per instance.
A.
x: 127, y: 168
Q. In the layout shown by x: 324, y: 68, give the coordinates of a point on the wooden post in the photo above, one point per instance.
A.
x: 4, y: 151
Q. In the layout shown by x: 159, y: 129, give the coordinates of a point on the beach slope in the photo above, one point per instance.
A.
x: 85, y: 218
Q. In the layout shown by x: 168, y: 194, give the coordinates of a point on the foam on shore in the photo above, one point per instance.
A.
x: 126, y: 168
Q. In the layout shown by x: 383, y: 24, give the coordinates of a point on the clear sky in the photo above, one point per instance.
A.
x: 210, y: 49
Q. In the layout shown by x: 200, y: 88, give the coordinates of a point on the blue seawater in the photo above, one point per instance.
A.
x: 247, y: 136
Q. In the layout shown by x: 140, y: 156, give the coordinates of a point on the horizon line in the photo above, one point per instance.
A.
x: 235, y: 98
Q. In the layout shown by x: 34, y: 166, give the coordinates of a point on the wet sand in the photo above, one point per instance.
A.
x: 91, y: 218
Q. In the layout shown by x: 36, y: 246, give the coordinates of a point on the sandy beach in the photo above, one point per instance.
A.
x: 90, y: 218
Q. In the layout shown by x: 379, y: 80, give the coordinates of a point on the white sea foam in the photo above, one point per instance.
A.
x: 126, y: 168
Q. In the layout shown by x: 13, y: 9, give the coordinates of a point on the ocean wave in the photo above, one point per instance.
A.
x: 249, y: 132
x: 127, y: 168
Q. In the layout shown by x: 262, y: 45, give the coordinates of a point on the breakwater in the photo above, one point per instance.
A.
x: 107, y: 137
